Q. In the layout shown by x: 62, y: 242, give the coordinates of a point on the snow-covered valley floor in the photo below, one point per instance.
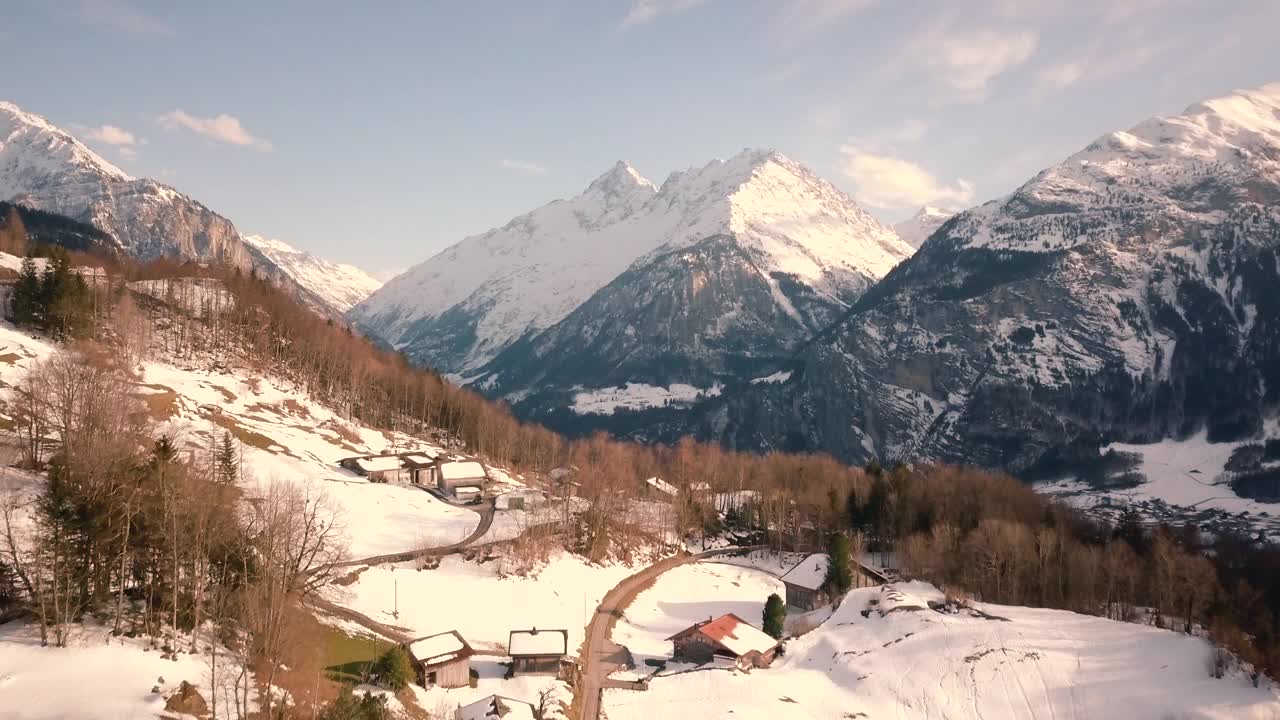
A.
x: 904, y: 660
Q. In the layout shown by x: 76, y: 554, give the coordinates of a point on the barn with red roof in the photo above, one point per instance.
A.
x: 727, y: 636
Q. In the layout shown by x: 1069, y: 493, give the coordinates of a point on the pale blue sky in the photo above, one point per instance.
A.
x: 379, y: 135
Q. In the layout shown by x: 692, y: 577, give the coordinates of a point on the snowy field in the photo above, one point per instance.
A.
x: 686, y: 595
x: 1186, y: 475
x: 637, y: 396
x: 907, y: 661
x: 527, y: 688
x: 471, y: 598
x: 113, y: 676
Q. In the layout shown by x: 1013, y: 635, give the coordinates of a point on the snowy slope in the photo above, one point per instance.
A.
x: 461, y: 308
x: 917, y: 228
x: 905, y: 660
x: 337, y: 285
x: 45, y: 167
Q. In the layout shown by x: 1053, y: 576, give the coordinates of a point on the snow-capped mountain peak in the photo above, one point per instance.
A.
x: 532, y: 272
x: 336, y: 286
x: 917, y: 228
x: 620, y: 181
x: 31, y: 145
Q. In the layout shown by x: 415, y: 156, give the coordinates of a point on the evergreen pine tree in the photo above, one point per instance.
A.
x: 393, y: 669
x: 840, y: 569
x: 226, y: 461
x: 775, y: 616
x: 24, y: 303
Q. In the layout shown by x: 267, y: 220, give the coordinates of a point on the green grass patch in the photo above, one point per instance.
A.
x: 349, y: 656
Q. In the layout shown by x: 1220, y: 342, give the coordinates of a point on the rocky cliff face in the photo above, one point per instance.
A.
x: 1125, y: 294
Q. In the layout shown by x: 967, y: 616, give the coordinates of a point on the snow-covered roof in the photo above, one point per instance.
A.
x: 496, y: 707
x: 661, y: 485
x: 810, y: 572
x: 538, y: 642
x: 381, y: 463
x: 439, y: 648
x: 469, y: 470
x: 421, y: 458
x: 736, y: 634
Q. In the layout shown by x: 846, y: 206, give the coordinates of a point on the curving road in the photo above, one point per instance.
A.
x: 600, y: 655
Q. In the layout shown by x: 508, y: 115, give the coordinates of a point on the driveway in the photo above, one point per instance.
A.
x: 600, y: 655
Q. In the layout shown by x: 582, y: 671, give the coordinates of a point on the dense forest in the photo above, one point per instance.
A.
x: 135, y: 526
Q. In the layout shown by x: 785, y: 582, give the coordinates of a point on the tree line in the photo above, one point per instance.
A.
x: 970, y: 531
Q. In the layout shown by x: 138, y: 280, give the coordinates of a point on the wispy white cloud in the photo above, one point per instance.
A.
x: 968, y: 60
x: 220, y: 128
x: 646, y: 11
x: 1095, y: 63
x: 121, y: 16
x: 883, y: 180
x: 524, y: 166
x: 112, y: 135
x: 798, y: 18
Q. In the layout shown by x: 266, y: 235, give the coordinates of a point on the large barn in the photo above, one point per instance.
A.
x: 441, y: 660
x: 727, y: 636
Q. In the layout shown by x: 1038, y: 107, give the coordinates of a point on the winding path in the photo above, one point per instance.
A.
x: 600, y: 655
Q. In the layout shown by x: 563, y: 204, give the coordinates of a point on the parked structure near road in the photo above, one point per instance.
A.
x: 727, y: 636
x: 537, y: 652
x: 441, y: 660
x: 806, y: 582
x: 420, y: 467
x: 495, y: 707
x: 458, y: 478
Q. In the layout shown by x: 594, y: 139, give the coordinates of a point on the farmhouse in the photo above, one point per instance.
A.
x: 495, y: 707
x: 378, y: 468
x: 806, y: 582
x: 537, y: 652
x: 453, y: 476
x: 727, y: 636
x: 442, y: 660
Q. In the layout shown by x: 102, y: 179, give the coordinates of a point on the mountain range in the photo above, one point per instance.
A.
x: 46, y: 168
x: 709, y: 277
x: 1124, y: 294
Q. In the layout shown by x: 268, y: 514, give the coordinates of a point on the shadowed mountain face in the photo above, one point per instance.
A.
x: 1126, y: 294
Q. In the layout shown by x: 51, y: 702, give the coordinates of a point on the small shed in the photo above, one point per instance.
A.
x: 442, y: 660
x: 420, y: 466
x: 378, y: 468
x: 523, y: 499
x: 495, y: 707
x: 727, y: 636
x: 454, y: 474
x: 537, y: 652
x: 806, y: 583
x: 657, y: 488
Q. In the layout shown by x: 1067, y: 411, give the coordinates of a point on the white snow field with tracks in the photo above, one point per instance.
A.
x: 905, y: 660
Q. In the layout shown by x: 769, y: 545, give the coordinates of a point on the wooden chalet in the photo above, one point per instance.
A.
x: 537, y: 652
x: 806, y: 583
x: 727, y: 636
x: 495, y: 707
x: 441, y: 660
x: 421, y: 466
